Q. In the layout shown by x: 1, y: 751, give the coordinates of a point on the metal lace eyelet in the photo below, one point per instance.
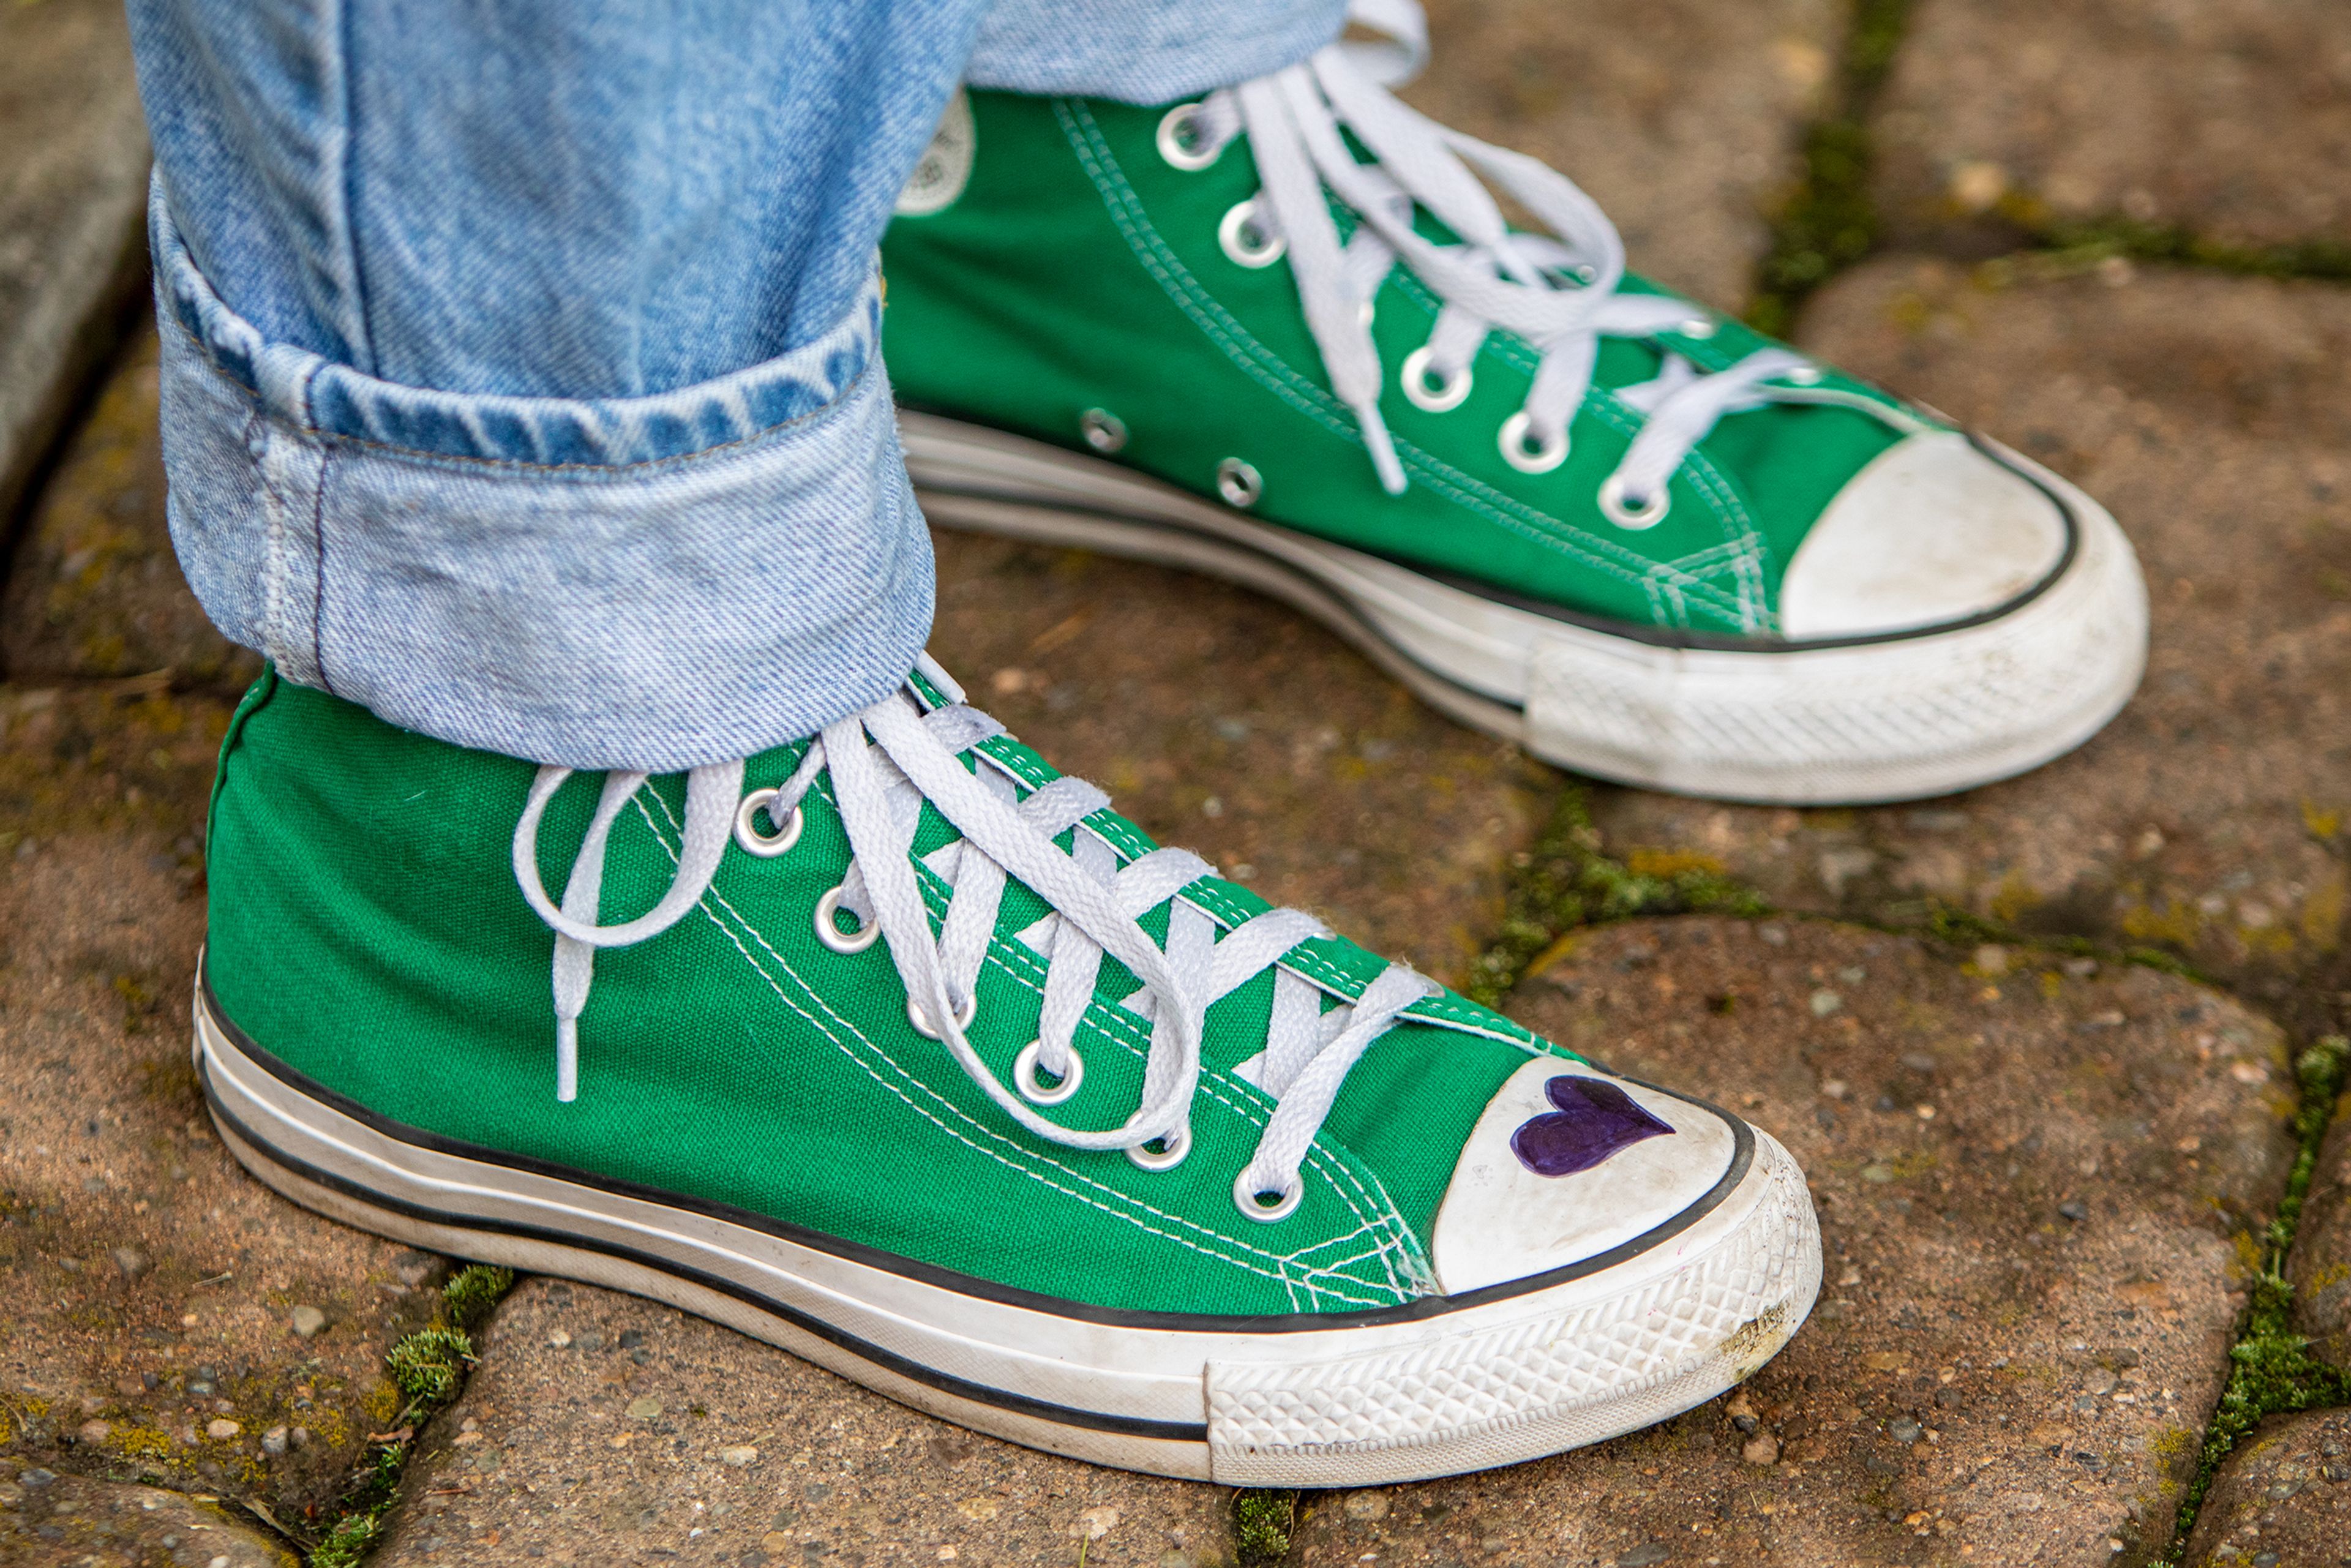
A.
x: 1436, y: 397
x: 747, y: 825
x: 1181, y: 142
x: 1246, y: 238
x: 1645, y: 514
x: 1803, y: 376
x: 1103, y: 431
x: 1530, y: 459
x: 1171, y: 1152
x: 1698, y: 327
x: 1024, y: 1077
x: 1247, y: 1196
x: 918, y: 1016
x: 832, y: 935
x: 1238, y: 482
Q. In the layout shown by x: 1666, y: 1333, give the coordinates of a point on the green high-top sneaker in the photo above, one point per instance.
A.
x: 1283, y: 335
x: 922, y: 1063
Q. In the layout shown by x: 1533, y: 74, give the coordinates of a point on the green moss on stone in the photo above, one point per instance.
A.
x: 2270, y: 1369
x: 1262, y: 1521
x: 1566, y: 883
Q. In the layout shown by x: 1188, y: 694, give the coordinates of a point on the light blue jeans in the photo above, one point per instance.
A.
x: 520, y: 369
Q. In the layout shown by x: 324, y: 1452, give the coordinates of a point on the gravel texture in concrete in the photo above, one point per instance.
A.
x: 604, y: 1429
x: 2282, y: 1499
x: 157, y: 1297
x: 74, y: 1521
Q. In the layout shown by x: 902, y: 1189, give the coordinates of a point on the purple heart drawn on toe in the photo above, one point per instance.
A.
x: 1594, y: 1120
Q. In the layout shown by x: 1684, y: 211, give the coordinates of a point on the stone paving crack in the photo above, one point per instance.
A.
x: 1959, y: 927
x: 2270, y: 1369
x: 2061, y: 246
x: 429, y: 1366
x: 1566, y: 881
x: 1830, y: 221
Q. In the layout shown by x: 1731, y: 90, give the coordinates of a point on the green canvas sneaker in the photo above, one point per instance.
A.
x: 1282, y: 335
x: 924, y: 1064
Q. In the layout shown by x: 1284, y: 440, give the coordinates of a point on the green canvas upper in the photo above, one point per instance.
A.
x: 1079, y: 269
x: 366, y: 930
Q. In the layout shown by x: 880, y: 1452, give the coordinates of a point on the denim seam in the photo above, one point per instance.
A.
x: 319, y: 589
x: 273, y: 581
x: 461, y: 463
x: 191, y: 295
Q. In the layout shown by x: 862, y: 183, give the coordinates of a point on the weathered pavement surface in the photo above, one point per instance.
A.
x: 2322, y: 1254
x: 602, y: 1429
x: 2284, y: 1498
x: 73, y: 184
x: 2031, y: 1189
x: 94, y: 590
x: 2230, y: 118
x: 45, y: 1517
x: 2031, y: 1291
x: 166, y: 1318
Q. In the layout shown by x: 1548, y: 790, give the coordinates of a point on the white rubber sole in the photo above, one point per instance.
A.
x: 1895, y: 718
x: 1434, y: 1388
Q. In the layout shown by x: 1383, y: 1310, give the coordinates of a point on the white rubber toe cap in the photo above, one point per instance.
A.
x: 1566, y: 1164
x: 1930, y: 533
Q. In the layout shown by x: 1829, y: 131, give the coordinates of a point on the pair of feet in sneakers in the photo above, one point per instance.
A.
x: 925, y: 1064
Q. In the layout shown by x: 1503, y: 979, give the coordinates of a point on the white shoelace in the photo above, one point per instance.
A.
x: 885, y: 762
x: 1558, y: 292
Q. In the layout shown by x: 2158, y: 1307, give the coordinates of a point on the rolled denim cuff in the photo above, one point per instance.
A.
x: 644, y: 583
x: 1144, y: 51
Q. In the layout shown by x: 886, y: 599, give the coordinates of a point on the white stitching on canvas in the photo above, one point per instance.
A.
x: 1124, y: 205
x: 713, y: 896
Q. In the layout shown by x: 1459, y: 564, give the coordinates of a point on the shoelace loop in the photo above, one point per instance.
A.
x: 1557, y: 291
x: 884, y: 763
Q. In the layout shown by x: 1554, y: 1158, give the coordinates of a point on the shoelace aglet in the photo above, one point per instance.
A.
x: 567, y: 1060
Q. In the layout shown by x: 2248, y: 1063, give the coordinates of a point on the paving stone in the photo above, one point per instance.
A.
x: 151, y: 1287
x: 1680, y: 117
x: 73, y: 185
x: 2230, y: 117
x: 94, y: 589
x: 2321, y: 1247
x: 2282, y: 1499
x: 1987, y: 1378
x: 2212, y: 415
x: 601, y: 1430
x: 1223, y: 722
x: 53, y: 1520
